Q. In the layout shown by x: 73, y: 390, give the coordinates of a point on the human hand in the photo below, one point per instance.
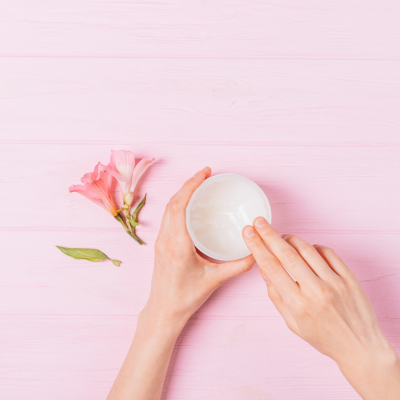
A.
x: 182, y: 279
x: 326, y: 306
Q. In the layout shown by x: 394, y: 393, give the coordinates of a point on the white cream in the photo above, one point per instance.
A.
x: 218, y: 211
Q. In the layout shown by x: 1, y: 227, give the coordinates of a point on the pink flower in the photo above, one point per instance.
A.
x: 122, y: 168
x: 96, y: 187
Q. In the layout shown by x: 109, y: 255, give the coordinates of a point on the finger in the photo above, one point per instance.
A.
x: 231, y: 269
x: 285, y: 253
x: 311, y: 256
x: 185, y: 192
x: 278, y: 302
x: 334, y: 261
x: 269, y: 264
x: 177, y: 205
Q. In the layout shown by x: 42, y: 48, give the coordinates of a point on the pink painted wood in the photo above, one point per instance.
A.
x: 302, y: 98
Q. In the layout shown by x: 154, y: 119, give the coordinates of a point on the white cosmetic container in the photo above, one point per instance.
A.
x: 218, y: 211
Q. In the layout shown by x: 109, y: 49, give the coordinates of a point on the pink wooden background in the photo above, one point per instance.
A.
x: 303, y: 97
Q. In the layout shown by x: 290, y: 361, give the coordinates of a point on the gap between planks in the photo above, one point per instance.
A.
x: 193, y: 317
x: 183, y: 57
x: 197, y: 143
x: 294, y: 231
x: 106, y: 229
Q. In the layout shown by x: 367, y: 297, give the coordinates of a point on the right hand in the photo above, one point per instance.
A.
x: 326, y: 306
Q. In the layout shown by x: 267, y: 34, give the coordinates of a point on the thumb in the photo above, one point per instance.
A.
x: 230, y: 269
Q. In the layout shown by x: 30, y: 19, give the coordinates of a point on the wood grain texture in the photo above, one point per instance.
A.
x: 207, y: 28
x: 213, y: 352
x: 310, y: 187
x: 120, y: 101
x: 61, y: 286
x: 301, y: 98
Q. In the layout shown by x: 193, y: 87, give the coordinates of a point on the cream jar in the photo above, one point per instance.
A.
x: 218, y: 211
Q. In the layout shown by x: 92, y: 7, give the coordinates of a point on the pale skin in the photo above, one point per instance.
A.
x: 324, y: 304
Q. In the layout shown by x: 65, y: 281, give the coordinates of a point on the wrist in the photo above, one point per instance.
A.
x: 161, y: 321
x: 381, y: 356
x: 374, y: 372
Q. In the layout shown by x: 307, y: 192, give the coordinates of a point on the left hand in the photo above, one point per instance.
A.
x: 182, y: 279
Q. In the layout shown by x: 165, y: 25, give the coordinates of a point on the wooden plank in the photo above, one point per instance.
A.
x: 302, y: 98
x: 236, y: 28
x: 123, y: 101
x: 79, y: 357
x: 311, y: 188
x: 37, y: 279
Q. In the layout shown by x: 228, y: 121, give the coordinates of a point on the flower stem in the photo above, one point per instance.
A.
x: 120, y: 218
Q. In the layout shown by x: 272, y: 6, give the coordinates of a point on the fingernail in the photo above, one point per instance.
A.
x: 248, y: 232
x: 197, y: 174
x: 260, y: 222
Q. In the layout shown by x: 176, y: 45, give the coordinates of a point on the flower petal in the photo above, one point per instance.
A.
x: 121, y: 166
x: 87, y: 178
x: 96, y: 188
x: 140, y: 168
x: 114, y: 173
x: 95, y: 200
x: 123, y: 162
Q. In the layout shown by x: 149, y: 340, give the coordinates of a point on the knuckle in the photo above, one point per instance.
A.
x: 243, y: 266
x: 272, y: 266
x: 263, y: 274
x: 174, y: 205
x: 299, y: 305
x: 326, y: 298
x: 199, y: 176
x: 289, y: 256
x: 327, y: 251
x: 174, y: 197
x: 291, y: 327
x: 267, y: 232
x: 273, y: 295
x: 159, y: 246
x: 352, y: 281
x: 307, y: 251
x: 341, y: 286
x: 289, y: 237
x: 246, y: 266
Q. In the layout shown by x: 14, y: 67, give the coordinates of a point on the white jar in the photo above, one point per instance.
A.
x: 218, y: 211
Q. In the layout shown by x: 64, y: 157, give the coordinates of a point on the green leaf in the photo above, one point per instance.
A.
x: 87, y: 254
x: 115, y: 262
x: 135, y: 214
x: 133, y: 224
x: 132, y: 220
x: 133, y: 234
